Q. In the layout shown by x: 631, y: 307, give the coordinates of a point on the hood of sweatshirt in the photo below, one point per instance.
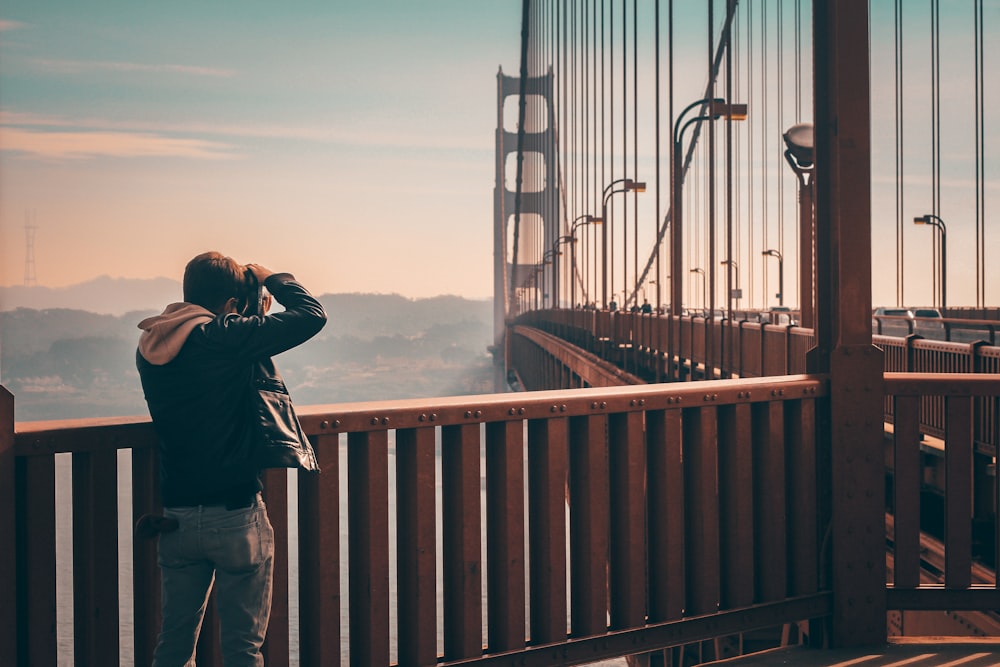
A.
x: 164, y: 335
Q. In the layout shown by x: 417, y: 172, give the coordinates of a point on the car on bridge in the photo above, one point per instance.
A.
x: 892, y: 322
x: 927, y: 323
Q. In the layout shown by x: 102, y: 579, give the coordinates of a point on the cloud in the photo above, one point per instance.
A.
x: 75, y: 145
x: 336, y: 134
x: 80, y: 66
x: 7, y: 25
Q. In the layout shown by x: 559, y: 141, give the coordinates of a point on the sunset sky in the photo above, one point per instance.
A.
x: 351, y: 143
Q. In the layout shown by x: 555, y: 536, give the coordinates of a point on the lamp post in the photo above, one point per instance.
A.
x: 736, y: 270
x: 716, y: 108
x: 781, y: 274
x: 555, y: 268
x: 581, y: 221
x: 935, y: 221
x: 628, y: 185
x: 548, y: 258
x: 704, y: 288
x: 800, y: 155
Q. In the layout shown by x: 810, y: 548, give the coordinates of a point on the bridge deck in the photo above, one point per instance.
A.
x: 925, y: 652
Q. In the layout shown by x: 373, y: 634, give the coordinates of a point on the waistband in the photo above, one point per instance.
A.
x: 237, y: 503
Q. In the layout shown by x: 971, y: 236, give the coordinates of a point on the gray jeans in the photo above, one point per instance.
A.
x: 233, y: 548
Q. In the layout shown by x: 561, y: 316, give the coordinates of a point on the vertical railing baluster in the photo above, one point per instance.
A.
x: 958, y: 494
x: 145, y: 571
x: 547, y: 479
x: 627, y: 569
x: 416, y: 545
x: 736, y: 477
x: 95, y: 557
x: 589, y: 524
x: 701, y: 504
x: 276, y: 647
x: 803, y: 480
x: 319, y: 557
x: 462, y: 541
x: 505, y: 576
x: 770, y: 501
x: 368, y: 529
x: 36, y: 561
x: 906, y: 482
x: 666, y: 515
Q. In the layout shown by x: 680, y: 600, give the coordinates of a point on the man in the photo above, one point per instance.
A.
x: 200, y: 363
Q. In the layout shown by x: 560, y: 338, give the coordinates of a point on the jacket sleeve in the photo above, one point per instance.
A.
x: 265, y: 336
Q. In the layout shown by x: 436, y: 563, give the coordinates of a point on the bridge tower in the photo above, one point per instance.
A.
x: 515, y: 208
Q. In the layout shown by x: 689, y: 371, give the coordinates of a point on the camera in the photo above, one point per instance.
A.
x: 252, y: 298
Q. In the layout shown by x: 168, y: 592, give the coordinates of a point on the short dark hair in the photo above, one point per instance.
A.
x: 211, y: 278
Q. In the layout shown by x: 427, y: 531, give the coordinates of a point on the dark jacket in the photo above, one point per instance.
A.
x: 198, y: 372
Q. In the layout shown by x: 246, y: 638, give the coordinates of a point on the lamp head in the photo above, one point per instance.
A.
x: 800, y: 142
x: 635, y: 186
x: 920, y: 220
x: 719, y: 108
x: 597, y: 220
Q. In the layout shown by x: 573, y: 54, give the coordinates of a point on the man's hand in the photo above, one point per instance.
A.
x: 259, y: 272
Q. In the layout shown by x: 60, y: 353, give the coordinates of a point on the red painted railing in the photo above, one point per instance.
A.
x: 568, y: 525
x: 666, y: 515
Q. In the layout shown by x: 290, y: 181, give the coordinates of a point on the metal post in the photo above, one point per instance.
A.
x: 852, y: 488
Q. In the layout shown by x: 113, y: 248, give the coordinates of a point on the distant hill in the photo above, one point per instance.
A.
x: 104, y: 295
x: 67, y: 362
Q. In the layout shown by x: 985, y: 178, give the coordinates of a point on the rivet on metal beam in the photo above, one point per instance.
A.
x: 422, y: 418
x: 512, y: 412
x: 374, y: 421
x: 520, y: 411
x: 477, y: 414
x: 324, y: 424
x: 468, y: 413
x: 603, y: 405
x: 553, y: 408
x: 642, y: 401
x: 562, y: 408
x: 593, y: 406
x: 385, y: 421
x: 336, y: 423
x: 433, y: 417
x: 632, y: 403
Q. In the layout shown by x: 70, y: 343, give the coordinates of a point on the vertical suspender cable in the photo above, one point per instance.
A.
x: 936, y: 135
x: 900, y: 236
x: 635, y: 149
x: 624, y: 222
x: 525, y: 9
x: 780, y: 72
x: 656, y: 131
x: 977, y: 10
x: 710, y: 241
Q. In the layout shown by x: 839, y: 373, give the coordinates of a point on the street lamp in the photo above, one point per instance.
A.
x: 628, y: 185
x: 800, y: 155
x: 781, y: 274
x: 704, y: 289
x: 581, y: 221
x: 712, y: 109
x: 736, y: 269
x: 935, y: 221
x: 555, y: 268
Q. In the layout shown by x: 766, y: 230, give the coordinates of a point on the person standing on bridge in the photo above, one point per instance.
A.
x: 221, y: 412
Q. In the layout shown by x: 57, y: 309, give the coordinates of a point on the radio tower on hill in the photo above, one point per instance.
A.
x: 29, y: 250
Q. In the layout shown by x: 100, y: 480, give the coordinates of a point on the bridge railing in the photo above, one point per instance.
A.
x: 966, y: 511
x: 665, y: 514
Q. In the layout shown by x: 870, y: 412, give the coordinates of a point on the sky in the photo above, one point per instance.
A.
x: 350, y: 143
